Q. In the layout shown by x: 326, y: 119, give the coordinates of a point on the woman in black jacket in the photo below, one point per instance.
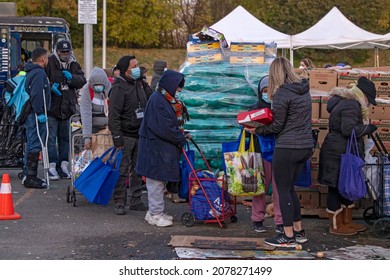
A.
x: 291, y: 103
x: 347, y: 108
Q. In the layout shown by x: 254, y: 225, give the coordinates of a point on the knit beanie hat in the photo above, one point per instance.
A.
x: 368, y: 88
x: 263, y: 84
x: 123, y: 63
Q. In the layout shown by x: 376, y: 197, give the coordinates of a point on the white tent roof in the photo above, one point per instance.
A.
x: 242, y: 26
x: 334, y: 30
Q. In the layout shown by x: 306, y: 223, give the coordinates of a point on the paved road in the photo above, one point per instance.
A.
x: 51, y: 228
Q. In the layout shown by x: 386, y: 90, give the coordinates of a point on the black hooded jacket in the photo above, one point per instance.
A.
x: 292, y: 117
x: 345, y: 115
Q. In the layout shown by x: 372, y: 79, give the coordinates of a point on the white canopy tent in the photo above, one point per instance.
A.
x: 335, y: 31
x: 241, y: 26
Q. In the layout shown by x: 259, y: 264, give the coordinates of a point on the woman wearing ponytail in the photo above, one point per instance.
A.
x: 161, y: 137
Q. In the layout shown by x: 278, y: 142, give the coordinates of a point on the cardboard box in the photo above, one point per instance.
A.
x: 322, y: 79
x: 247, y: 59
x: 206, y: 46
x: 247, y: 47
x: 205, y: 58
x: 379, y: 112
x: 324, y: 103
x: 381, y: 81
x: 255, y: 118
x: 347, y: 78
x: 308, y: 198
x: 315, y: 107
x: 323, y: 189
x: 323, y: 200
x: 315, y: 158
x: 314, y: 176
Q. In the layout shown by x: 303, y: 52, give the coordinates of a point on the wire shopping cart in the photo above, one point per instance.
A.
x: 378, y: 186
x: 208, y: 198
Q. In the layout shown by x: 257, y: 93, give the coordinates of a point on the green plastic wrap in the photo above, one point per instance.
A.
x: 214, y: 93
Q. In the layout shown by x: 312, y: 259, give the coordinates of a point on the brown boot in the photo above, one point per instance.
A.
x: 336, y: 225
x: 347, y: 219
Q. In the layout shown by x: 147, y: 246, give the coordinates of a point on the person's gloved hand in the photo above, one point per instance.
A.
x: 372, y: 128
x: 55, y: 90
x: 67, y: 75
x: 42, y: 118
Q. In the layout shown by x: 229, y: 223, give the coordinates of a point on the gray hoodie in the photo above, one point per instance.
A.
x: 94, y: 111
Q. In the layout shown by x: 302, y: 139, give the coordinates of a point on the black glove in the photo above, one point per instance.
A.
x: 372, y: 128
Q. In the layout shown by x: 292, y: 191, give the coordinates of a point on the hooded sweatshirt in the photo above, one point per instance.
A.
x: 292, y: 117
x: 158, y: 69
x: 94, y: 106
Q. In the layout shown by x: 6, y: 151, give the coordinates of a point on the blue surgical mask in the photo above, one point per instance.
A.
x: 264, y: 96
x: 136, y: 73
x: 98, y: 88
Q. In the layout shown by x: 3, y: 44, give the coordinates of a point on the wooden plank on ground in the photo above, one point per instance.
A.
x: 189, y: 240
x: 204, y: 254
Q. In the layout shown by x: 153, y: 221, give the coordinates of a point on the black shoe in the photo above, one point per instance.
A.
x: 35, y: 183
x: 258, y: 227
x: 62, y: 174
x: 300, y: 236
x: 120, y: 210
x: 139, y: 207
x: 281, y: 241
x: 279, y: 229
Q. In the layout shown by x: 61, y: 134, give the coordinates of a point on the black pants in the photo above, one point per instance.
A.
x: 334, y: 200
x: 287, y: 166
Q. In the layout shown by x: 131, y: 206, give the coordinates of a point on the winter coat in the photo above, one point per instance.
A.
x: 292, y: 117
x: 126, y: 96
x: 36, y: 81
x: 64, y: 106
x: 160, y: 141
x: 158, y: 69
x: 93, y: 106
x: 345, y: 115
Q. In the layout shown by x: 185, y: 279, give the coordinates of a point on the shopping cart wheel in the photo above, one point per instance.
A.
x: 369, y: 215
x: 381, y: 228
x: 74, y: 198
x: 233, y: 219
x: 188, y: 219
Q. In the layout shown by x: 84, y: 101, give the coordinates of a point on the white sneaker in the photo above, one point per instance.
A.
x: 64, y: 168
x: 53, y: 174
x: 167, y: 217
x: 159, y: 220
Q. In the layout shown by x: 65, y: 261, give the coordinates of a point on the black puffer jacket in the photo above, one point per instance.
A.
x: 292, y: 117
x: 126, y: 96
x: 64, y: 106
x: 345, y: 115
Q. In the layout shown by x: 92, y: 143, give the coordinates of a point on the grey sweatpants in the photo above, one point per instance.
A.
x: 155, y: 196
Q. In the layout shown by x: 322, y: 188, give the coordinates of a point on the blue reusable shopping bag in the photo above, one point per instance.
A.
x: 351, y: 183
x: 185, y: 170
x: 267, y: 146
x: 304, y: 179
x: 98, y: 178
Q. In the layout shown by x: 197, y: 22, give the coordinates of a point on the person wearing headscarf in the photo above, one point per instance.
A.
x: 125, y: 114
x: 161, y: 138
x: 348, y: 108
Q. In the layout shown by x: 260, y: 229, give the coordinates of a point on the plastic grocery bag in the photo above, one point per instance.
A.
x: 81, y: 162
x: 244, y: 170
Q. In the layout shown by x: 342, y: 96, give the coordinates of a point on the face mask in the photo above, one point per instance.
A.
x: 98, y: 88
x: 264, y: 96
x: 64, y: 56
x: 301, y: 67
x: 136, y: 73
x: 165, y: 69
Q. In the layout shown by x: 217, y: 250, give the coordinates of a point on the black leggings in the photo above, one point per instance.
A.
x: 287, y: 165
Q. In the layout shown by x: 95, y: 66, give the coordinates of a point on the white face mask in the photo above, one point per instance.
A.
x: 301, y: 67
x: 165, y: 69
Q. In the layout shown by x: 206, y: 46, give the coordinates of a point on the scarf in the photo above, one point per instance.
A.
x: 179, y: 108
x: 356, y: 94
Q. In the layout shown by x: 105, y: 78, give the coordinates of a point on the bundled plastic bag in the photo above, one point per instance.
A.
x: 244, y: 170
x: 81, y: 162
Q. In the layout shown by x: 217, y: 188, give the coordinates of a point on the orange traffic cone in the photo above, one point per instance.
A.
x: 6, y: 204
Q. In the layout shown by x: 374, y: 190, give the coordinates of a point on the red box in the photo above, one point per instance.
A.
x: 255, y: 118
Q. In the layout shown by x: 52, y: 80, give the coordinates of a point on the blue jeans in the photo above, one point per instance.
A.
x: 33, y: 145
x: 58, y: 137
